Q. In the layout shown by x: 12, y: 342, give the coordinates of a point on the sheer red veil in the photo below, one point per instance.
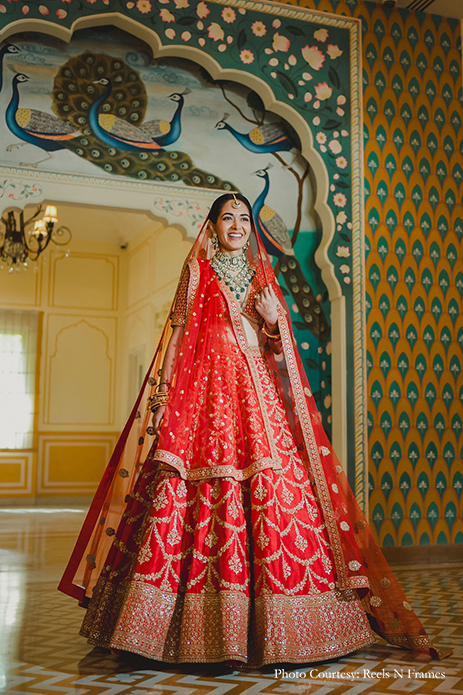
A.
x: 359, y: 563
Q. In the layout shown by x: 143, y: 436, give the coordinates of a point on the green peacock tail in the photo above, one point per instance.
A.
x: 73, y: 93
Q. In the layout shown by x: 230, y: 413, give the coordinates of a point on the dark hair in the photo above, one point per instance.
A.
x: 218, y: 204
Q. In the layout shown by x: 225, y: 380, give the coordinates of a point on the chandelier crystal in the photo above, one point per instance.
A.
x: 23, y: 244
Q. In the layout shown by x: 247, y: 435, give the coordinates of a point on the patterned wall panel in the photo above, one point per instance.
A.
x: 413, y: 122
x: 413, y: 172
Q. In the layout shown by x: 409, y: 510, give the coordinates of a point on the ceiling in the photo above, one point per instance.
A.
x: 90, y: 223
x: 446, y: 8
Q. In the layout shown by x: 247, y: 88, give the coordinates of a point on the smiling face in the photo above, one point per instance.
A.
x: 233, y: 227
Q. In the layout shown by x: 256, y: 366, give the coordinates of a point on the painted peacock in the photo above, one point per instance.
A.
x: 265, y: 138
x: 277, y: 241
x: 83, y: 80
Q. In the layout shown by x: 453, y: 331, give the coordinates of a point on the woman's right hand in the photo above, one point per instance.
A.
x: 158, y: 416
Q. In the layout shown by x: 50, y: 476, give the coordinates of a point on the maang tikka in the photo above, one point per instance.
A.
x: 235, y: 203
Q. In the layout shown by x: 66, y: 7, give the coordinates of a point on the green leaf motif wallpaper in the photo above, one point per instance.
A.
x: 414, y: 227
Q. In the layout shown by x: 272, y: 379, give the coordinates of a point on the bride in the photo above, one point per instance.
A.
x: 226, y: 529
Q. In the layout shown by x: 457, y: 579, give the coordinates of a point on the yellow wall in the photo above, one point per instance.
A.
x: 102, y: 311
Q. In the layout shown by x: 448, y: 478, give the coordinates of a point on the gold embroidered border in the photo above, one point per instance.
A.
x: 250, y: 355
x: 312, y: 448
x: 201, y: 628
x: 206, y: 472
x: 192, y: 286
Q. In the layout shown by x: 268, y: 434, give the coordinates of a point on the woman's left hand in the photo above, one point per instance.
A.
x: 266, y: 306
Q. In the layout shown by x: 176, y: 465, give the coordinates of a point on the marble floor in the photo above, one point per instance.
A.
x: 42, y: 653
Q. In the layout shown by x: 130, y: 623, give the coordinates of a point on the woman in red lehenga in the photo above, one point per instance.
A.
x: 230, y: 533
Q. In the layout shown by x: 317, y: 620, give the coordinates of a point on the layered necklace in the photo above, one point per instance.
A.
x: 235, y: 271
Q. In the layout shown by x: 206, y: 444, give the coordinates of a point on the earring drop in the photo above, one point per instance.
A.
x: 246, y: 246
x: 215, y: 241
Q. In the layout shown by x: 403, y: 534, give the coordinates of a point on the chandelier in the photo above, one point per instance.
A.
x: 18, y: 246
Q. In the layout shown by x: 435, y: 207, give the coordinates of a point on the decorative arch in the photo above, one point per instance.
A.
x: 283, y: 91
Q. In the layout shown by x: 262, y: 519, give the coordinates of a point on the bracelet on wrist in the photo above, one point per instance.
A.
x: 271, y: 336
x: 157, y: 400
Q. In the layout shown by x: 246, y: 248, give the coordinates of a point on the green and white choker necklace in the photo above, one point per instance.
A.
x: 237, y: 281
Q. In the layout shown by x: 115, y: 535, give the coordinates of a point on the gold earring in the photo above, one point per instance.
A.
x: 215, y: 241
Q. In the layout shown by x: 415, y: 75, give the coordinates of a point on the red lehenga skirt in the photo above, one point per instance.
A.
x: 226, y: 570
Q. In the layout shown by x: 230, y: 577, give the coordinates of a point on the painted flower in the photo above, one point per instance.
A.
x: 274, y: 75
x: 276, y: 23
x: 307, y: 76
x: 340, y: 200
x: 202, y: 10
x: 333, y: 51
x: 343, y: 252
x: 129, y: 5
x: 201, y: 41
x: 321, y: 35
x: 323, y: 91
x: 144, y: 6
x: 43, y: 10
x: 215, y: 32
x: 229, y: 39
x: 307, y: 97
x: 200, y: 25
x: 273, y: 62
x: 335, y: 146
x: 316, y: 104
x: 68, y: 1
x: 166, y: 16
x: 341, y: 162
x: 247, y: 56
x: 292, y: 60
x: 316, y: 120
x: 2, y: 9
x: 280, y: 43
x: 61, y: 14
x: 170, y: 33
x: 180, y: 4
x: 25, y: 9
x: 340, y: 111
x: 258, y: 29
x: 228, y: 15
x: 327, y: 404
x: 313, y: 56
x: 321, y: 138
x: 222, y: 47
x: 341, y: 100
x: 186, y: 36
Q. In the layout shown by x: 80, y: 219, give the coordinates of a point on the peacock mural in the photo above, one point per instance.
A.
x: 167, y: 120
x: 36, y: 127
x: 107, y: 100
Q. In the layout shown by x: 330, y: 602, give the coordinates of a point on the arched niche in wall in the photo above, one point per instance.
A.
x: 305, y: 67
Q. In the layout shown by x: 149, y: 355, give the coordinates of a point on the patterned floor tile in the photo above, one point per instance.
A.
x: 42, y: 653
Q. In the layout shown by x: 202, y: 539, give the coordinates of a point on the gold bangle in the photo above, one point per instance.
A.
x: 272, y: 336
x: 158, y: 399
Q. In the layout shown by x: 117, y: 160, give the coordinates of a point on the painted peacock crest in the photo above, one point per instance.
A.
x: 81, y: 81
